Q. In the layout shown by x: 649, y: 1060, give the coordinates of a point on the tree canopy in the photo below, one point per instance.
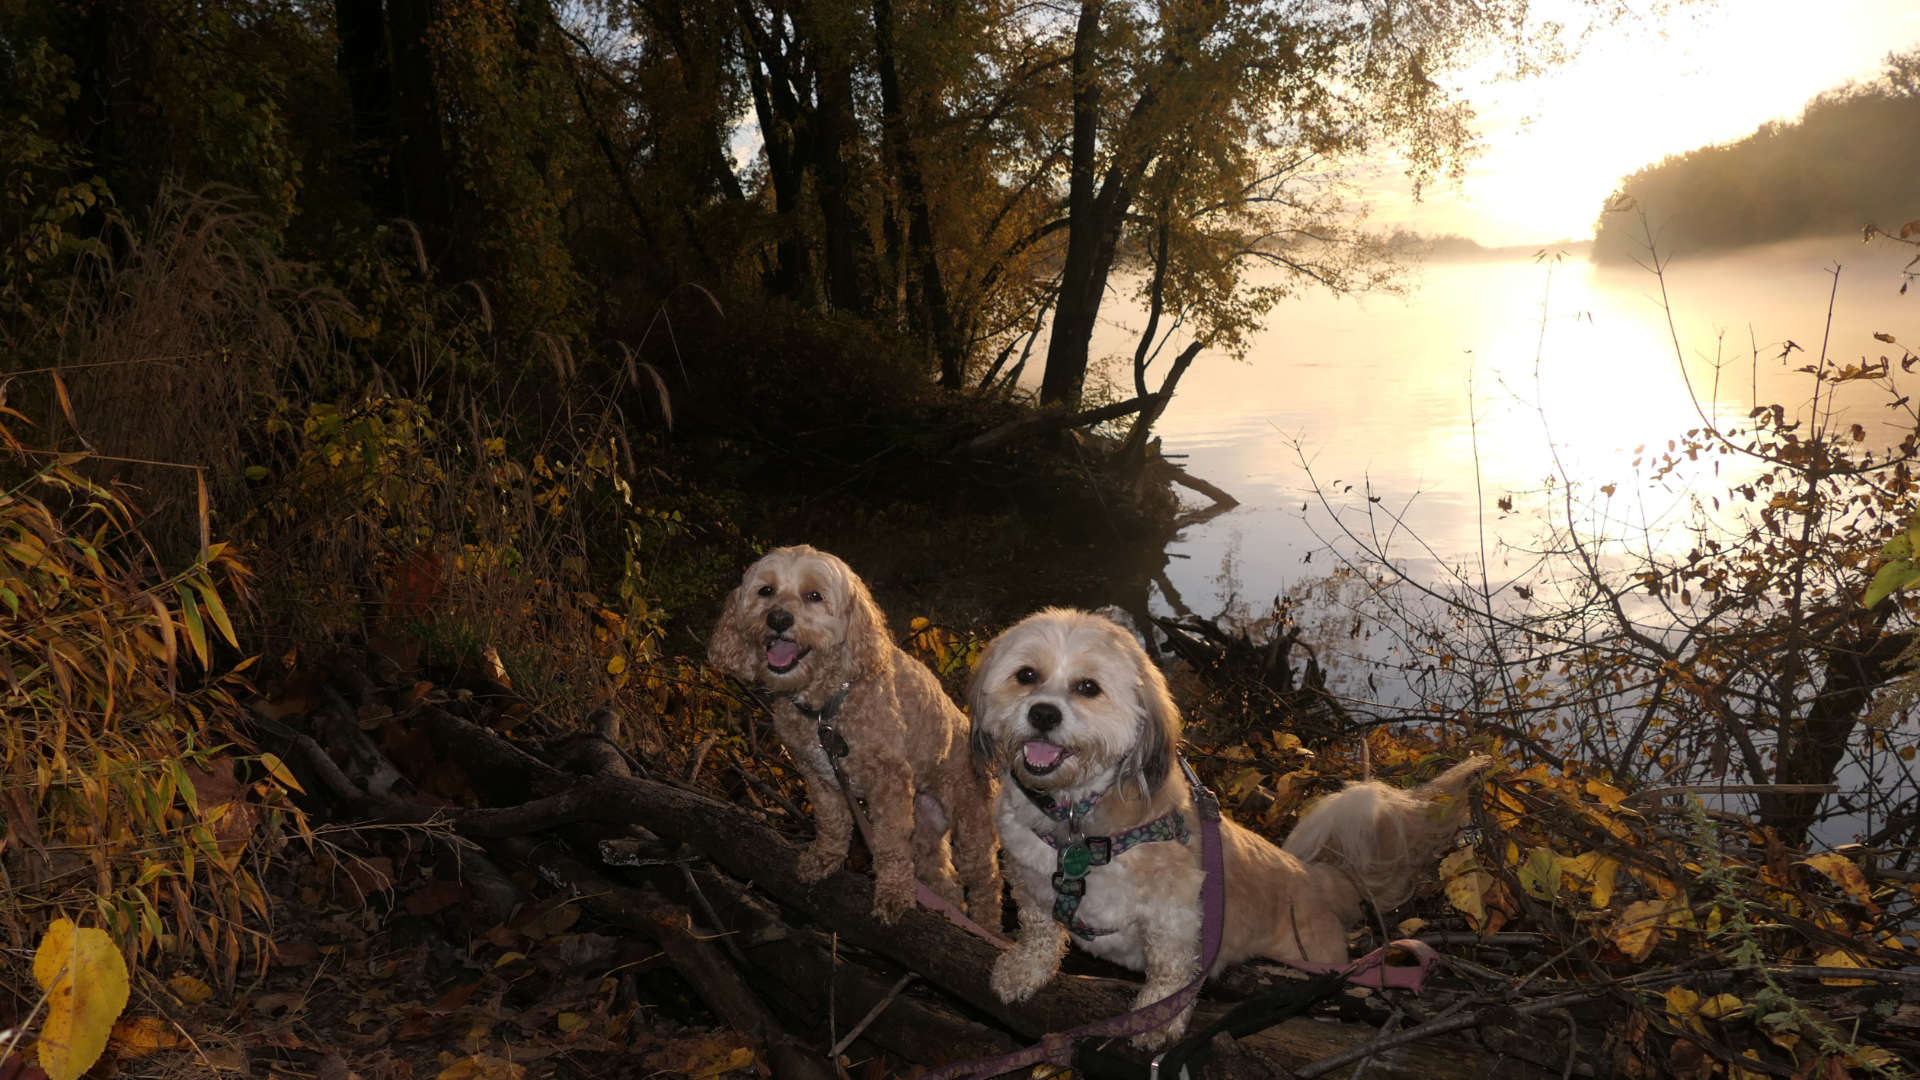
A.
x: 957, y: 176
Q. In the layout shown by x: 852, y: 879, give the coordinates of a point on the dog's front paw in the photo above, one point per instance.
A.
x: 891, y: 899
x: 818, y: 862
x: 1157, y: 1039
x: 1018, y: 973
x: 1161, y: 1037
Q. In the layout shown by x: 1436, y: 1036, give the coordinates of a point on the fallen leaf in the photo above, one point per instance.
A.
x: 1842, y: 872
x: 1638, y: 929
x: 1839, y: 958
x: 189, y: 989
x: 1466, y: 885
x: 483, y: 1067
x: 142, y: 1035
x: 1592, y: 873
x: 435, y: 896
x: 1539, y: 876
x: 85, y: 979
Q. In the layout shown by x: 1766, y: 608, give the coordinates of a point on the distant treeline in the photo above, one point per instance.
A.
x: 1852, y: 159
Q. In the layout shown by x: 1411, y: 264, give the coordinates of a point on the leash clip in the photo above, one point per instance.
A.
x: 1153, y: 1067
x: 1205, y: 803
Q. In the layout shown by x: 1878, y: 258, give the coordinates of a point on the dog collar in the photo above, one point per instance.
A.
x: 825, y: 713
x: 1044, y: 802
x: 1078, y: 855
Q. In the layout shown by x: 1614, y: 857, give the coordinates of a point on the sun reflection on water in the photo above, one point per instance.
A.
x: 1502, y: 382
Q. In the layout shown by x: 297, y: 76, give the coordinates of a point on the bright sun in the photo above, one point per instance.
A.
x: 1558, y: 145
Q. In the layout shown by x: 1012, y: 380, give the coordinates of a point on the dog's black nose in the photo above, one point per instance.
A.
x: 779, y: 619
x: 1043, y: 717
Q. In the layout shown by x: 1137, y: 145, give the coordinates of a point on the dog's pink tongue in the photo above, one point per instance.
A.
x: 1042, y: 754
x: 782, y: 653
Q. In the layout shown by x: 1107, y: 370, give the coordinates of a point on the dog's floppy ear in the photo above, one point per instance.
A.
x: 985, y: 747
x: 869, y: 642
x: 1151, y: 758
x: 732, y: 647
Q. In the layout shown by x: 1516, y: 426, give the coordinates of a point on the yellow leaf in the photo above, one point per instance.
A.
x: 1410, y: 927
x: 1466, y: 885
x: 217, y: 611
x: 570, y: 1022
x: 189, y: 989
x: 143, y: 1035
x: 86, y: 983
x: 1508, y: 810
x: 616, y: 664
x: 1683, y: 1009
x: 196, y: 631
x: 1842, y: 872
x: 1592, y: 873
x: 279, y: 771
x: 1608, y: 795
x: 1638, y: 929
x: 1721, y: 1006
x: 740, y: 1057
x: 1839, y: 958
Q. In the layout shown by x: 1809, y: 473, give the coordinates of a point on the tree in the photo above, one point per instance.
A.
x: 1235, y: 113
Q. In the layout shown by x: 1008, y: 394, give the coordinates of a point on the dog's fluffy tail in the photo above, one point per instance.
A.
x: 1382, y: 837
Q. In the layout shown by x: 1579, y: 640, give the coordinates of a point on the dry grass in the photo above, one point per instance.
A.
x: 174, y: 332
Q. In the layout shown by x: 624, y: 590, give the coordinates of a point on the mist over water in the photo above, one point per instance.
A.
x: 1490, y: 381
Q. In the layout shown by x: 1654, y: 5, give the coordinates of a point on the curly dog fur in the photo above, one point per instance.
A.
x: 1068, y: 705
x: 802, y: 624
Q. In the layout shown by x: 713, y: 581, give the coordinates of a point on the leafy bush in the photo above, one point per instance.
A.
x: 127, y: 787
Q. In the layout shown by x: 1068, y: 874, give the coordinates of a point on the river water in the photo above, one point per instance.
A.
x: 1500, y: 379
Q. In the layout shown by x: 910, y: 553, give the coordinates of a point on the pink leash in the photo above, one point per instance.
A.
x: 1056, y: 1048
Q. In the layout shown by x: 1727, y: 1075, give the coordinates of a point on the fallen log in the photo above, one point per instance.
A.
x: 746, y: 850
x: 946, y: 956
x: 698, y: 961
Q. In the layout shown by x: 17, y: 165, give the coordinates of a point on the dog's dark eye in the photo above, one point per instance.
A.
x: 764, y: 590
x: 813, y: 596
x: 1087, y: 688
x: 1026, y: 676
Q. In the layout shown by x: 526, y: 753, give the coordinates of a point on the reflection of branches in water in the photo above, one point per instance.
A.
x: 1704, y: 642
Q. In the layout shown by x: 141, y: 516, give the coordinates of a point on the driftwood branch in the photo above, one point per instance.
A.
x: 1053, y: 420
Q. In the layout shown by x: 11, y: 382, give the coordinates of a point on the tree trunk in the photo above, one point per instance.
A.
x: 367, y: 69
x: 1811, y: 750
x: 833, y: 129
x: 780, y: 132
x: 929, y: 314
x: 423, y: 166
x: 1073, y: 316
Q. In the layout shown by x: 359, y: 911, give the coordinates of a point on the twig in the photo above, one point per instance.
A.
x: 1388, y: 1028
x: 1656, y: 793
x: 700, y: 757
x: 872, y: 1015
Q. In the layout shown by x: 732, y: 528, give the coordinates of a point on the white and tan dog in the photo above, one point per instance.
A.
x: 803, y: 625
x: 1077, y: 722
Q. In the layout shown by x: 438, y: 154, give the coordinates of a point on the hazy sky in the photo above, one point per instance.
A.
x: 1556, y: 146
